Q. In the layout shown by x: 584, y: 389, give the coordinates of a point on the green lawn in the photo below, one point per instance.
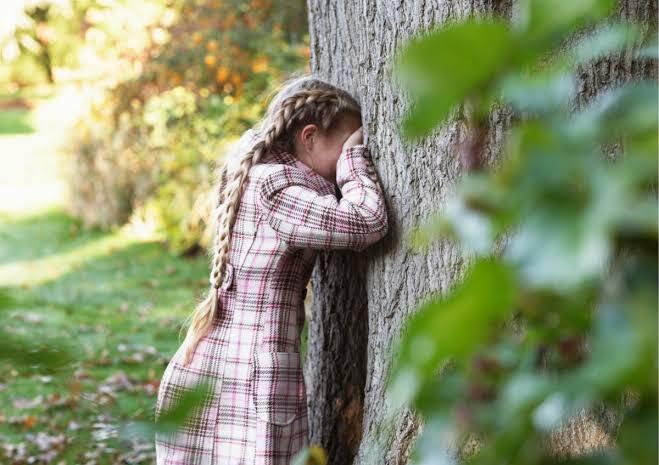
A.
x: 114, y: 300
x: 15, y: 121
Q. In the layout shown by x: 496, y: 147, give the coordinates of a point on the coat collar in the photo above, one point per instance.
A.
x: 288, y: 158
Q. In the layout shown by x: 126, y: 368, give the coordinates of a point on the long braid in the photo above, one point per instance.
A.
x: 321, y: 105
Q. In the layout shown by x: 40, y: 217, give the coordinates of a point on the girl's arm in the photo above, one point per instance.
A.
x: 306, y: 219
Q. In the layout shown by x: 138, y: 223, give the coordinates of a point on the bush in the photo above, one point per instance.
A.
x: 154, y: 166
x: 145, y: 153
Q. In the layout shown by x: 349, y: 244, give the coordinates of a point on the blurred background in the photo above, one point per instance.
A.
x: 111, y: 115
x: 114, y: 112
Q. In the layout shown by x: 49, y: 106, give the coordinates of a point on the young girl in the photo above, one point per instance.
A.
x: 277, y: 207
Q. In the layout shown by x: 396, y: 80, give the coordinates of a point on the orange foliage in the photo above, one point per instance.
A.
x: 218, y: 46
x: 221, y: 74
x: 260, y: 65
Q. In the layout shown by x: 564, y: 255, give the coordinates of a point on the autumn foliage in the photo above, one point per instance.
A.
x: 146, y: 148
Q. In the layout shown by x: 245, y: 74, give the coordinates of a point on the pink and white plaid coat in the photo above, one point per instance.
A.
x: 257, y: 413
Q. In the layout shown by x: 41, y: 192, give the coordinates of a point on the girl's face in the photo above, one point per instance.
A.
x: 320, y: 151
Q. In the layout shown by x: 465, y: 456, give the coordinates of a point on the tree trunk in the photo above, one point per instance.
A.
x: 361, y: 300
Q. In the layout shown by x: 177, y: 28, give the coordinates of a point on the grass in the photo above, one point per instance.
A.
x: 16, y: 121
x: 114, y: 301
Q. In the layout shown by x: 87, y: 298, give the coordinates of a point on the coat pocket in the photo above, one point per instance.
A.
x: 278, y: 386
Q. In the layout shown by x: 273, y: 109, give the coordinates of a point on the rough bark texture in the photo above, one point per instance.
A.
x: 361, y: 300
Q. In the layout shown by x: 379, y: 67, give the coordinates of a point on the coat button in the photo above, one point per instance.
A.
x: 227, y: 280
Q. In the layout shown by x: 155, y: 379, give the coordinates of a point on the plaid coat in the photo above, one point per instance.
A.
x: 257, y: 413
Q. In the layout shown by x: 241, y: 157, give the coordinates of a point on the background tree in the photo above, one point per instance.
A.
x: 37, y: 40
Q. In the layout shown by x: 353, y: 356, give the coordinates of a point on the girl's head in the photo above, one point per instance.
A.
x: 320, y: 149
x: 318, y: 127
x: 307, y: 117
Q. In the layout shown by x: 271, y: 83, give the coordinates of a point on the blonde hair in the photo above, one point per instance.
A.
x: 299, y: 101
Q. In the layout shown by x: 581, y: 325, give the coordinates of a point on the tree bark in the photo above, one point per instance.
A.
x: 361, y: 300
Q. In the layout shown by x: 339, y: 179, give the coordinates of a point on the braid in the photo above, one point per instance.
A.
x: 321, y: 105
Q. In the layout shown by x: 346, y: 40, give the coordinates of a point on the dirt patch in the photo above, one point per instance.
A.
x: 16, y: 103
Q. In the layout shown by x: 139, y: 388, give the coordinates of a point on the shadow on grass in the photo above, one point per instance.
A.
x: 138, y: 274
x: 128, y: 287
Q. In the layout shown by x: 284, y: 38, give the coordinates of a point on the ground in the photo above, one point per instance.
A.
x: 117, y: 299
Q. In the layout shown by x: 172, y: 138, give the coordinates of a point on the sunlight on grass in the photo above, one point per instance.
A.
x: 33, y: 163
x: 15, y: 122
x: 36, y: 272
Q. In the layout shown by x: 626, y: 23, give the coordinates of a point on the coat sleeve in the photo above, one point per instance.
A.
x: 304, y: 218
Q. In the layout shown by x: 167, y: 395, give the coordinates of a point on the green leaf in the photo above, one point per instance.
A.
x: 608, y: 39
x: 560, y: 248
x: 650, y: 47
x: 630, y: 110
x: 638, y: 433
x: 451, y: 326
x: 521, y: 393
x: 546, y: 22
x: 538, y: 93
x: 471, y: 228
x: 568, y: 201
x: 554, y: 85
x: 435, y: 436
x: 443, y: 67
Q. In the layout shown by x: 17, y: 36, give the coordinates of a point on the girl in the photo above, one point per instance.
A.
x: 277, y: 207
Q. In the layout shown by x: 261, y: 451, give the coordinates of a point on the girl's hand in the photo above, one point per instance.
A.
x: 355, y: 138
